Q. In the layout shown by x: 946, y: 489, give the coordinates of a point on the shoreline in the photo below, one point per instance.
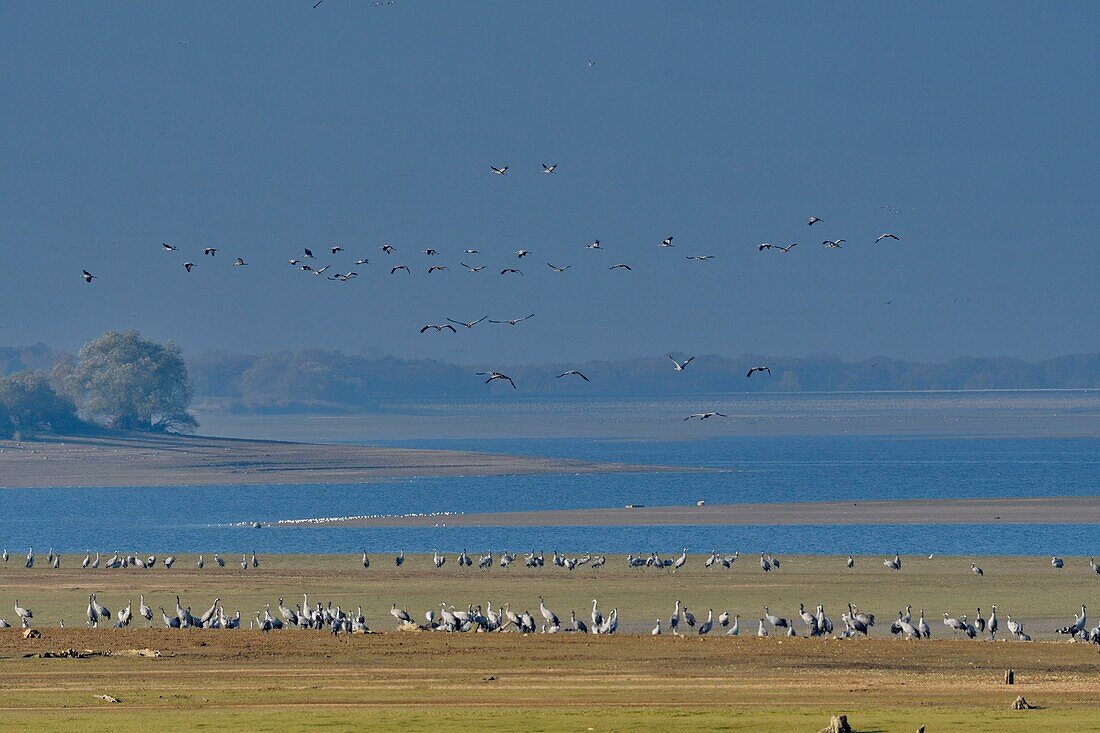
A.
x: 105, y: 460
x: 1007, y: 510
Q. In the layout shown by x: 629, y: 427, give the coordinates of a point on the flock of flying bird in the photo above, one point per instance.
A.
x: 817, y: 624
x: 303, y: 263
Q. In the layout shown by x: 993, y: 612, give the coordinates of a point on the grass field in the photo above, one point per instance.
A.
x: 244, y: 680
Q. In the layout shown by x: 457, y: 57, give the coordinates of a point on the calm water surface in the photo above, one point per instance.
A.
x: 752, y: 469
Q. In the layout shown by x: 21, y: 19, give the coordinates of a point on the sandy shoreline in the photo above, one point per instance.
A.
x: 169, y: 460
x: 1015, y: 510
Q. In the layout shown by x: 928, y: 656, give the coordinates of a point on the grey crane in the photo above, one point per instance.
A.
x: 851, y: 563
x: 680, y: 366
x: 496, y: 375
x: 680, y: 561
x: 953, y: 623
x: 101, y: 611
x: 578, y: 624
x: 467, y: 324
x: 171, y: 622
x: 365, y: 560
x: 735, y: 629
x: 513, y: 321
x: 824, y: 625
x: 402, y: 615
x: 125, y: 615
x: 550, y: 616
x: 674, y: 622
x: 894, y: 564
x: 93, y: 617
x: 1057, y: 562
x: 807, y: 618
x: 400, y: 559
x: 992, y: 623
x: 765, y: 565
x: 887, y: 236
x: 143, y: 610
x: 775, y: 621
x: 706, y: 626
x: 761, y: 631
x: 689, y: 617
x: 976, y: 570
x: 704, y: 415
x: 656, y: 629
x: 853, y: 625
x: 922, y: 626
x: 168, y: 562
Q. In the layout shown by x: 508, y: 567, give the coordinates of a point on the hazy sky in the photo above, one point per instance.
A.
x: 262, y: 128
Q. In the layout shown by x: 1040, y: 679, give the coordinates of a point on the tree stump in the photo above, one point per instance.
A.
x: 1010, y: 676
x: 1021, y: 704
x: 32, y: 634
x: 838, y: 724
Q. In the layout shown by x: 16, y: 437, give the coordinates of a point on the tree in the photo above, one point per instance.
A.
x: 132, y: 383
x: 28, y: 404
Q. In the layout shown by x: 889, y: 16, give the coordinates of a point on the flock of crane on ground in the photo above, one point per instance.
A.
x: 474, y: 618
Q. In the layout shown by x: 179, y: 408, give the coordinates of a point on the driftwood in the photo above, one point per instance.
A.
x: 1010, y: 676
x: 838, y: 724
x: 106, y: 698
x: 1022, y: 704
x: 32, y: 634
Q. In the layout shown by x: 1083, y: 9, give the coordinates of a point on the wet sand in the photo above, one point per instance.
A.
x: 170, y: 460
x: 1017, y: 510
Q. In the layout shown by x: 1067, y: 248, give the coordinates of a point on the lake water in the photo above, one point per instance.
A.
x: 751, y: 469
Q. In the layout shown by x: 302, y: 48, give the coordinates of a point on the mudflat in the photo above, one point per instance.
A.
x: 172, y: 460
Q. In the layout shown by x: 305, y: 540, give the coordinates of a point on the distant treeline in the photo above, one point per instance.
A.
x: 314, y: 379
x: 331, y: 380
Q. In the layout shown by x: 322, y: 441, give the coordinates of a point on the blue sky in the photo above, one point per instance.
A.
x: 263, y: 128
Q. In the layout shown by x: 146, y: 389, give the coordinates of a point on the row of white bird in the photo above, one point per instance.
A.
x: 122, y: 561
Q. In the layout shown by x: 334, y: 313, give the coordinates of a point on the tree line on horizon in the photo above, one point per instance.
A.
x: 127, y: 382
x: 313, y: 379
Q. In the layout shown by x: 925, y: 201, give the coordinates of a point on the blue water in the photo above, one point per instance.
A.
x: 189, y: 519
